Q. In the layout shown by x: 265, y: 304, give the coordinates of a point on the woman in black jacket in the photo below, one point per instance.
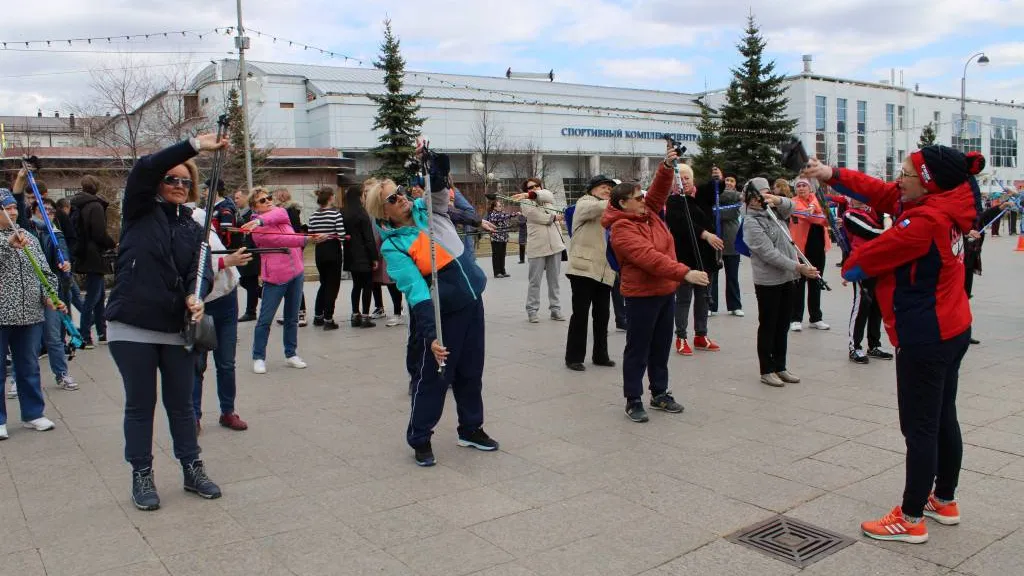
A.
x: 361, y: 256
x: 153, y: 293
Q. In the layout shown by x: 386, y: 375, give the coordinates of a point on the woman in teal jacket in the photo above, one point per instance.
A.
x: 405, y: 246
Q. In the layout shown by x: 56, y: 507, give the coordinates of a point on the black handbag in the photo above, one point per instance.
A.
x: 200, y: 336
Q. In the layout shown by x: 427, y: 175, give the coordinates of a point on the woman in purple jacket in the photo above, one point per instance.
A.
x: 282, y: 276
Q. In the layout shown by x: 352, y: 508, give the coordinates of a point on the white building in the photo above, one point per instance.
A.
x: 871, y: 126
x: 510, y: 129
x: 565, y: 133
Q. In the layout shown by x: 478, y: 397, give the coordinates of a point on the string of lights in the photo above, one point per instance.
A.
x: 114, y: 38
x: 308, y: 47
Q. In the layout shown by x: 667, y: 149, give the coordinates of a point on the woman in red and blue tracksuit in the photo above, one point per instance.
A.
x: 918, y: 266
x: 406, y: 229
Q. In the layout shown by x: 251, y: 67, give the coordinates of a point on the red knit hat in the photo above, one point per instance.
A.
x: 942, y: 168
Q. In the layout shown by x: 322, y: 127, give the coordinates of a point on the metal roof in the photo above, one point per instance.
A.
x: 339, y: 80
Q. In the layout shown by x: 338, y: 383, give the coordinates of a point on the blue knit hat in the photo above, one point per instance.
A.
x: 6, y: 198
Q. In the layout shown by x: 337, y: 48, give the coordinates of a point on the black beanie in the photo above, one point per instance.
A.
x: 950, y: 167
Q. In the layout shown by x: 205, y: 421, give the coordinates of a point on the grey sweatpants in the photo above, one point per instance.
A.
x: 549, y: 265
x: 699, y: 296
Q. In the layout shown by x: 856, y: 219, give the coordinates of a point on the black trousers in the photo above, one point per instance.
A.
x: 817, y: 259
x: 1012, y: 223
x: 328, y: 265
x: 733, y: 295
x: 865, y: 314
x: 393, y: 291
x: 773, y: 314
x: 522, y: 253
x: 926, y: 383
x: 362, y: 287
x: 253, y: 291
x: 139, y: 364
x: 588, y: 295
x: 498, y: 257
x: 619, y: 305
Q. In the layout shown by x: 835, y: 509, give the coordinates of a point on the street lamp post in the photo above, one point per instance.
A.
x: 982, y: 60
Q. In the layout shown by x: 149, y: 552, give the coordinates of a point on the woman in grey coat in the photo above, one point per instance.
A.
x: 776, y: 266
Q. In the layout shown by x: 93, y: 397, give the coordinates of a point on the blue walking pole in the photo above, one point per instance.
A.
x: 61, y: 258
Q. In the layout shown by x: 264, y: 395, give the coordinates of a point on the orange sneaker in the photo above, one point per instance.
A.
x: 893, y: 526
x: 948, y: 514
x: 705, y: 343
x: 683, y: 347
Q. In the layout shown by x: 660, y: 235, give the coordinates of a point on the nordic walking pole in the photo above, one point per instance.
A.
x: 61, y: 258
x: 785, y: 232
x: 204, y: 246
x: 425, y: 163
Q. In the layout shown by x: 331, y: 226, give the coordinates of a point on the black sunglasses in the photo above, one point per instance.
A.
x: 532, y: 187
x: 174, y: 181
x: 263, y: 200
x: 392, y: 198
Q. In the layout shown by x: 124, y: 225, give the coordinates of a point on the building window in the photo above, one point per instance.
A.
x: 970, y: 139
x: 1003, y: 143
x: 574, y: 189
x: 862, y: 136
x: 820, y: 112
x: 901, y: 114
x: 841, y: 132
x: 287, y: 105
x: 937, y: 117
x: 890, y: 141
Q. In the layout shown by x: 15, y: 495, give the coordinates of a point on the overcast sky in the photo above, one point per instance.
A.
x: 681, y: 45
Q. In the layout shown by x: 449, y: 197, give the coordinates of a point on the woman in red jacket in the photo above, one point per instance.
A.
x: 649, y: 275
x: 918, y: 265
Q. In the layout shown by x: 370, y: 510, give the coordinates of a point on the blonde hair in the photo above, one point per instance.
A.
x: 783, y: 185
x: 375, y: 194
x: 254, y: 195
x: 193, y: 173
x: 685, y: 169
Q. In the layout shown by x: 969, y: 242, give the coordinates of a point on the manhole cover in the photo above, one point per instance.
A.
x: 791, y: 541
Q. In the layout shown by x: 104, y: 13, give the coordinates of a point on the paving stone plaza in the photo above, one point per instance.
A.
x: 323, y: 482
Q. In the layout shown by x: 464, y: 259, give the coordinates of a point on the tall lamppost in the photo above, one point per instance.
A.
x: 982, y: 61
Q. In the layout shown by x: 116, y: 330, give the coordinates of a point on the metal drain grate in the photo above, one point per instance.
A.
x: 791, y: 541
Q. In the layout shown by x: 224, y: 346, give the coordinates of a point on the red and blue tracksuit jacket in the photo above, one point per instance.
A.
x: 918, y: 262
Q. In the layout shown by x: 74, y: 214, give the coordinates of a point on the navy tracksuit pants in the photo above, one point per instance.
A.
x: 649, y: 323
x: 463, y: 332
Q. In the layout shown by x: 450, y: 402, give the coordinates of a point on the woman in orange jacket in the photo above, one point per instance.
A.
x: 649, y: 274
x: 809, y: 228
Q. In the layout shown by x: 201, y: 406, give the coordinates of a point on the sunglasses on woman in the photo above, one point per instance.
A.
x: 532, y: 187
x: 263, y: 200
x: 393, y: 198
x: 176, y: 182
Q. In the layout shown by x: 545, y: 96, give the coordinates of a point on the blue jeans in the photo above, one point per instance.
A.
x: 76, y: 297
x: 139, y: 364
x: 94, y: 308
x: 23, y: 342
x: 53, y: 341
x: 291, y: 293
x: 224, y: 311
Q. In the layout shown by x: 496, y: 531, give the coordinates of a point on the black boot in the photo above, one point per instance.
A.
x: 197, y: 481
x: 357, y: 320
x: 367, y: 322
x: 144, y: 494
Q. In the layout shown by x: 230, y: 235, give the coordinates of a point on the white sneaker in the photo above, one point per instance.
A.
x: 295, y: 362
x: 795, y: 327
x: 259, y: 367
x: 820, y: 325
x: 395, y: 320
x: 41, y: 424
x: 378, y: 314
x: 712, y: 313
x: 66, y: 382
x: 3, y: 432
x: 12, y: 392
x: 738, y: 312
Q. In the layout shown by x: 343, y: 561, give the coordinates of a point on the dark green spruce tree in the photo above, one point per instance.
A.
x: 927, y: 136
x: 709, y: 143
x: 234, y: 165
x: 396, y: 112
x: 753, y: 119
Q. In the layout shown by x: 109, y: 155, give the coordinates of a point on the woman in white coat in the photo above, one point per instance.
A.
x: 544, y: 246
x: 221, y: 305
x: 590, y: 276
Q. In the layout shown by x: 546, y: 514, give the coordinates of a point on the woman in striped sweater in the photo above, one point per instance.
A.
x: 327, y: 220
